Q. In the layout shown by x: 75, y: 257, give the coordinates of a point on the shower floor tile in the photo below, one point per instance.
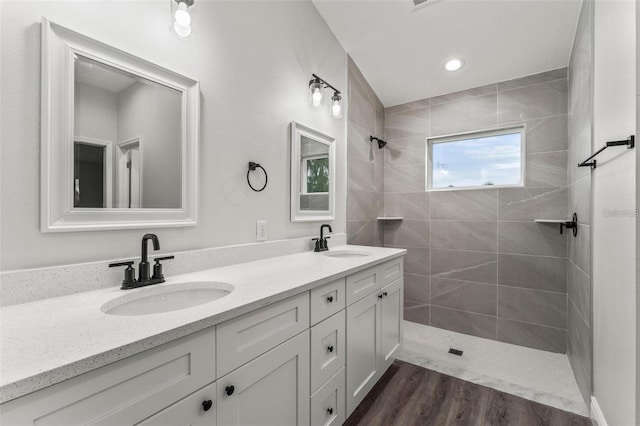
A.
x: 536, y: 375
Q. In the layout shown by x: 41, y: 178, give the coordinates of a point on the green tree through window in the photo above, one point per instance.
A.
x: 318, y: 175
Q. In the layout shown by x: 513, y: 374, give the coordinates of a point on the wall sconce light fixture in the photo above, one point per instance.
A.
x: 316, y: 96
x: 182, y: 17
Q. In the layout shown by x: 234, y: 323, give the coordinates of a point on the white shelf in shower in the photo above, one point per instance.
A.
x: 390, y: 218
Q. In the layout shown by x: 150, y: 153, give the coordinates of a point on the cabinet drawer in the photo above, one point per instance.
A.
x: 125, y: 392
x: 327, y: 300
x: 391, y: 270
x: 328, y: 403
x: 327, y: 349
x: 363, y: 283
x: 189, y: 411
x: 244, y: 338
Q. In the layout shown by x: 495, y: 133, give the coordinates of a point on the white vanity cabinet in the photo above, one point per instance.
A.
x: 374, y: 329
x: 308, y: 359
x: 127, y: 391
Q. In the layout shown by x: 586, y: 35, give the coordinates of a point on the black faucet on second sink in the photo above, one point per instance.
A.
x: 321, y: 243
x: 144, y: 267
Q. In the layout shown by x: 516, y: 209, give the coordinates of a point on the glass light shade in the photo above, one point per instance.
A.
x: 182, y: 17
x: 336, y: 106
x: 316, y: 93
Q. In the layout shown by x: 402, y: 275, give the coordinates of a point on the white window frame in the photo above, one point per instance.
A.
x: 430, y: 141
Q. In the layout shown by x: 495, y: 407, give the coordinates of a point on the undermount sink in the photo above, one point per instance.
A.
x: 344, y: 254
x: 167, y: 298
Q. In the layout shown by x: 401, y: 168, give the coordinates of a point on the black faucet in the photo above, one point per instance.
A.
x: 144, y: 268
x: 144, y: 278
x: 321, y: 243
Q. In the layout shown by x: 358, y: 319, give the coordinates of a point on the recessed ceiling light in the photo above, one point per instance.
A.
x: 454, y: 64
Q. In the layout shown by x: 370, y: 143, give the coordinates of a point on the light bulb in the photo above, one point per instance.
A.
x: 454, y: 64
x: 182, y: 16
x: 316, y: 97
x: 182, y: 31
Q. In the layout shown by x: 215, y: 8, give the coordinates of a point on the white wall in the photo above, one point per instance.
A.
x: 254, y: 61
x: 153, y: 114
x: 96, y: 113
x: 614, y: 187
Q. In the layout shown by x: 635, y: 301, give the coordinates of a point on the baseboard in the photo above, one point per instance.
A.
x: 596, y: 413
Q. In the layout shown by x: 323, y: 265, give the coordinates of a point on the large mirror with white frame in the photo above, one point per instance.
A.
x: 312, y: 175
x: 119, y: 138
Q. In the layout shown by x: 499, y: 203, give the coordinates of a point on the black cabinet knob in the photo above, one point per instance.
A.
x: 229, y: 390
x: 330, y: 348
x: 330, y: 411
x: 385, y: 293
x: 330, y: 299
x: 206, y: 405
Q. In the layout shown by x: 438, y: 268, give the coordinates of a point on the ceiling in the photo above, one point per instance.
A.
x: 401, y: 49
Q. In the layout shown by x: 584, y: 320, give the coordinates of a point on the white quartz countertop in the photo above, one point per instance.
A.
x: 45, y: 342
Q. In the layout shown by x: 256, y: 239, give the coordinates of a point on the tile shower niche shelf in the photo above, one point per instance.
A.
x: 564, y: 223
x: 390, y: 218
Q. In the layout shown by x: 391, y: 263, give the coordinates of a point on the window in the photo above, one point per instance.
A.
x: 476, y: 160
x: 317, y: 174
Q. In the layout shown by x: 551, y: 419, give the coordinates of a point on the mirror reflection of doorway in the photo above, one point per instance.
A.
x: 129, y: 173
x: 91, y: 173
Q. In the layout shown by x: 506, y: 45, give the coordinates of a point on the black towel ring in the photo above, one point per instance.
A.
x: 252, y: 167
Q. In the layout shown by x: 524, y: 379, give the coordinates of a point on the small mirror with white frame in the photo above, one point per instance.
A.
x: 119, y: 138
x: 312, y: 175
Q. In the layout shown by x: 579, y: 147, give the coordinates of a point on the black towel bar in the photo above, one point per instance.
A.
x: 629, y: 143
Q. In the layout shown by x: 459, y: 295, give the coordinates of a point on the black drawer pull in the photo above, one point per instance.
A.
x: 330, y: 299
x: 229, y: 390
x: 206, y: 405
x: 330, y: 411
x: 385, y: 294
x: 380, y: 296
x: 330, y: 348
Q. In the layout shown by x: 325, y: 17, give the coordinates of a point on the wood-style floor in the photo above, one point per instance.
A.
x: 411, y: 395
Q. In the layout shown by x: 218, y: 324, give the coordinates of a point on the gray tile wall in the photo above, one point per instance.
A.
x: 579, y: 186
x: 365, y: 183
x: 477, y: 263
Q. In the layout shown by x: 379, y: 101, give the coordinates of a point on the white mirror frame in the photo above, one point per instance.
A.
x: 57, y: 214
x: 298, y: 215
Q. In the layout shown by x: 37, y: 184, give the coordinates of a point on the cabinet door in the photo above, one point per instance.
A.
x: 391, y: 323
x: 198, y: 409
x: 273, y: 389
x: 363, y: 347
x: 122, y: 393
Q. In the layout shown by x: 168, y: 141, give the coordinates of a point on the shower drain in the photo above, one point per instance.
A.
x: 455, y: 351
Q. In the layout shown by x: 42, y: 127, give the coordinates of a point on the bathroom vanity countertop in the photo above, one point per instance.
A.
x: 48, y: 341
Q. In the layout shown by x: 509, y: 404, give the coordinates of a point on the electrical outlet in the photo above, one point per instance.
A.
x: 261, y: 230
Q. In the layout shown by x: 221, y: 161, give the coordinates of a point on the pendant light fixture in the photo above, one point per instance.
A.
x: 316, y: 96
x: 182, y: 17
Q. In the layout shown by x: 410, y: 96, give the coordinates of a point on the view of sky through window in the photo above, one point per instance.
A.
x: 477, y: 161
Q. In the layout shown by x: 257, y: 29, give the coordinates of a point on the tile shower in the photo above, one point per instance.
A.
x: 579, y: 186
x: 477, y: 263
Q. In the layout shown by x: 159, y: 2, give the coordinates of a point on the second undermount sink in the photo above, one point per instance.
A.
x: 167, y: 298
x: 345, y: 254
